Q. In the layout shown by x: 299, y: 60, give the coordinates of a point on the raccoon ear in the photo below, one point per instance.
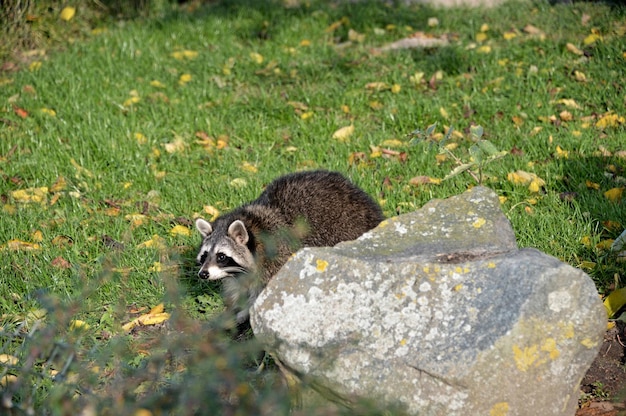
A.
x: 204, y: 227
x: 237, y: 231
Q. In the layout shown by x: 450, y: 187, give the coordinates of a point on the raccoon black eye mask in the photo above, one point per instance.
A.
x: 247, y: 246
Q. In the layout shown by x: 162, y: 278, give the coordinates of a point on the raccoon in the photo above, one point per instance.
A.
x: 246, y: 247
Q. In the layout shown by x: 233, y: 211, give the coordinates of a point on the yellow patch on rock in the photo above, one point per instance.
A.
x: 525, y: 358
x: 499, y: 409
x: 479, y: 222
x: 321, y: 265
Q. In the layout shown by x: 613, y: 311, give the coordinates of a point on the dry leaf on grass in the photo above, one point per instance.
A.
x: 154, y: 317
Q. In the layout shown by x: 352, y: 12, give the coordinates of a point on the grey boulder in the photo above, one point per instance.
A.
x: 436, y: 312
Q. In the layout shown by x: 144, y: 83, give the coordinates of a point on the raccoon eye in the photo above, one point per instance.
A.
x: 220, y: 257
x: 203, y: 258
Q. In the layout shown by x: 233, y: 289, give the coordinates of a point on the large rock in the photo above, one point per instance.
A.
x: 439, y: 312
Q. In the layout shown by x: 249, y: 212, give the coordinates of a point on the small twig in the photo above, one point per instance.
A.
x: 620, y: 341
x: 459, y: 162
x: 66, y: 367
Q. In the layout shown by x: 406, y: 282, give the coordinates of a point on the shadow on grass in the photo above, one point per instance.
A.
x: 584, y: 184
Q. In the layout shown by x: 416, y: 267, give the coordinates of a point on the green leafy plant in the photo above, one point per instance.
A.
x: 481, y: 152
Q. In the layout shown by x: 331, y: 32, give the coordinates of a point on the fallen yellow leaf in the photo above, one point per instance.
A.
x: 185, y: 54
x: 615, y: 301
x: 155, y: 242
x: 343, y: 133
x: 614, y: 194
x: 256, y: 57
x: 424, y: 180
x: 239, y: 183
x: 190, y: 54
x: 37, y: 236
x: 610, y: 120
x: 136, y: 219
x: 147, y: 319
x: 59, y: 185
x: 178, y: 145
x: 19, y: 245
x: 154, y: 319
x: 509, y: 35
x: 78, y: 324
x: 561, y: 154
x: 36, y: 314
x: 130, y: 101
x: 566, y: 116
x: 393, y: 143
x: 605, y: 244
x: 212, y: 211
x: 593, y: 37
x: 355, y: 36
x: 417, y: 78
x: 180, y: 230
x: 141, y: 139
x: 580, y: 76
x: 8, y: 379
x: 67, y: 13
x: 376, y: 105
x: 37, y: 195
x: 157, y: 309
x: 249, y: 167
x: 535, y: 185
x: 7, y: 359
x: 533, y: 30
x: 573, y: 49
x: 377, y: 86
x: 521, y: 177
x: 335, y: 25
x: 34, y: 66
x: 568, y: 102
x: 184, y: 79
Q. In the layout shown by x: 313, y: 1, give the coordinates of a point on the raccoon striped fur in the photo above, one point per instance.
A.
x: 246, y: 247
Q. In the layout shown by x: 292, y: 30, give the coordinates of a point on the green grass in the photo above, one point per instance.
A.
x: 91, y: 141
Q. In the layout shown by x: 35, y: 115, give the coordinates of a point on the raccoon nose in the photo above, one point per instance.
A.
x: 203, y: 274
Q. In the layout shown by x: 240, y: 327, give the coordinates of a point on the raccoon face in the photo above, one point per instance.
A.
x: 224, y: 255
